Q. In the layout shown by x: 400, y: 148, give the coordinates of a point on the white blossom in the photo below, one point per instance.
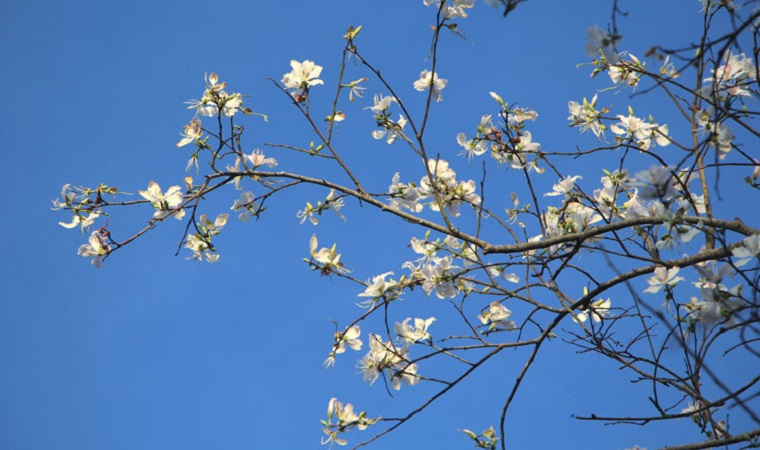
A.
x: 97, y: 248
x: 349, y: 338
x: 327, y: 257
x: 379, y: 286
x: 429, y: 80
x: 601, y: 43
x: 404, y: 196
x: 165, y: 203
x: 245, y: 205
x: 191, y: 133
x: 412, y: 334
x: 302, y: 76
x: 733, y: 77
x: 201, y: 248
x: 386, y: 357
x: 81, y: 221
x: 747, y: 251
x: 597, y: 310
x: 656, y: 183
x: 564, y: 187
x: 663, y: 277
x: 257, y: 159
x: 496, y: 317
x: 586, y: 117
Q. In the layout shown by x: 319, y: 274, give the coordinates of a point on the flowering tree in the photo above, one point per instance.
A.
x: 645, y: 266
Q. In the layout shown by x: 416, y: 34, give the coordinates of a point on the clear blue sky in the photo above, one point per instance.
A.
x: 156, y: 352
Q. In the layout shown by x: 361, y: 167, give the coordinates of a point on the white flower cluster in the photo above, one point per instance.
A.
x: 627, y: 73
x: 381, y: 288
x: 586, y: 117
x: 479, y: 144
x: 326, y: 259
x: 77, y: 199
x: 215, y: 101
x: 659, y: 191
x: 385, y: 357
x: 388, y: 129
x: 716, y: 302
x: 438, y: 273
x: 515, y: 149
x: 732, y: 79
x: 644, y: 135
x: 346, y: 420
x: 720, y: 136
x: 200, y: 242
x: 392, y: 361
x: 452, y: 194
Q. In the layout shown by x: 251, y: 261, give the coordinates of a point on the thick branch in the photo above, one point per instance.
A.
x: 735, y: 439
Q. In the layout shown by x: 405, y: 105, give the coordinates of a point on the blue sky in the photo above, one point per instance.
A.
x: 153, y: 351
